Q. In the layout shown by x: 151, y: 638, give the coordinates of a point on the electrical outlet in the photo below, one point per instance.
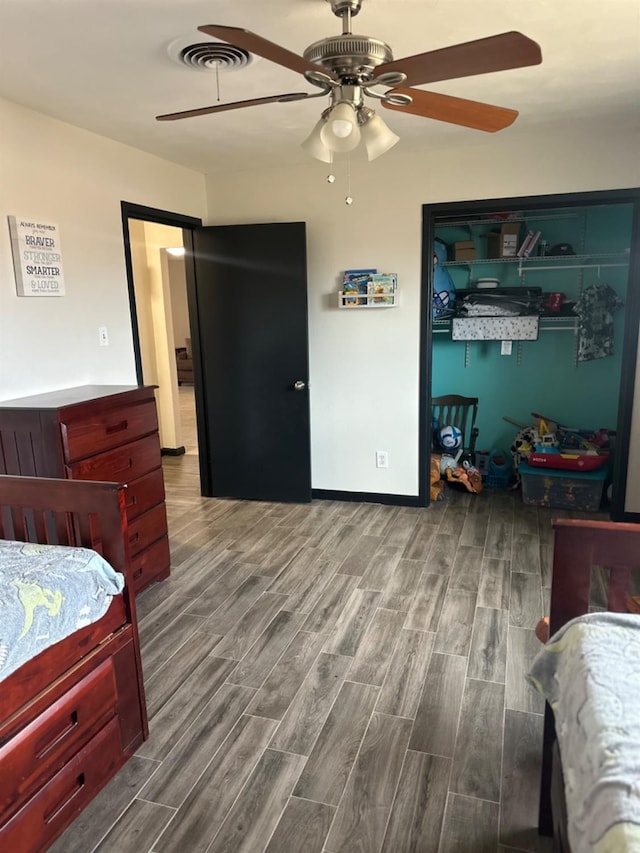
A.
x: 382, y: 459
x: 103, y: 336
x: 506, y: 347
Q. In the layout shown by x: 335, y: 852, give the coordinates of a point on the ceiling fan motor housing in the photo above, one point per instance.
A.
x: 342, y: 7
x: 350, y: 56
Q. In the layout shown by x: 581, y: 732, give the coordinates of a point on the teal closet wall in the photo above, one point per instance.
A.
x: 546, y: 380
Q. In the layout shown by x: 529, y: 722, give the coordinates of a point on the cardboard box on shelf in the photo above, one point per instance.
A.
x: 505, y: 243
x: 464, y: 250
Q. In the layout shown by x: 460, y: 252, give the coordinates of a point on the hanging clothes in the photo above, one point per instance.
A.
x: 595, y: 307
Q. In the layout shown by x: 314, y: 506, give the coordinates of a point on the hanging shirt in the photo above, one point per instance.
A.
x: 595, y: 307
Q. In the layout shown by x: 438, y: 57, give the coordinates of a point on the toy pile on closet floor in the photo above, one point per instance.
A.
x: 452, y: 465
x: 549, y: 444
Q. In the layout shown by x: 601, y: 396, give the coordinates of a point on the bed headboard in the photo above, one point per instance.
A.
x: 586, y: 554
x: 66, y: 512
x: 580, y: 548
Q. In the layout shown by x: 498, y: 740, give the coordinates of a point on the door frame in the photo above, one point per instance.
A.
x: 631, y: 327
x: 129, y: 210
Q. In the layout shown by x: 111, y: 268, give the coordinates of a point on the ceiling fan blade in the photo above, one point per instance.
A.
x: 454, y: 110
x: 234, y: 105
x: 495, y: 53
x: 256, y: 44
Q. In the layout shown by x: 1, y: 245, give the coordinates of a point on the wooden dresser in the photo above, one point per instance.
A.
x: 97, y: 432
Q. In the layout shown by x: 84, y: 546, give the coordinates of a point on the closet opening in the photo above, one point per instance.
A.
x: 532, y: 306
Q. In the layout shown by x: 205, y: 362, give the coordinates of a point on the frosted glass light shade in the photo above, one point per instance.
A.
x: 314, y: 145
x: 377, y: 137
x: 341, y: 132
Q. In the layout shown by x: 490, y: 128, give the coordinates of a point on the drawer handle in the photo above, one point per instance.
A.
x: 126, y: 466
x: 69, y: 726
x: 137, y: 574
x: 117, y: 427
x: 134, y: 538
x: 78, y: 786
x: 132, y: 502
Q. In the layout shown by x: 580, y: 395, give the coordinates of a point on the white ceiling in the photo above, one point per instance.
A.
x: 104, y: 65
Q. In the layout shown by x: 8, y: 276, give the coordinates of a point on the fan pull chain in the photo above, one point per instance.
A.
x: 218, y: 79
x: 348, y: 200
x: 331, y: 178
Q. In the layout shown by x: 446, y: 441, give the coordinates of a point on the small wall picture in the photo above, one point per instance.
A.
x: 37, y: 257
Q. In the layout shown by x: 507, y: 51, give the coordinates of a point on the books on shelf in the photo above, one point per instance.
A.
x: 368, y: 287
x: 382, y: 288
x: 528, y: 244
x: 356, y: 286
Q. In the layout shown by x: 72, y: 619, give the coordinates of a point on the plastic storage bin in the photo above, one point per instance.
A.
x: 562, y: 489
x: 498, y: 471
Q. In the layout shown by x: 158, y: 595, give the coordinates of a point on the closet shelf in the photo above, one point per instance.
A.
x: 599, y: 239
x: 547, y: 262
x: 458, y: 223
x: 550, y: 324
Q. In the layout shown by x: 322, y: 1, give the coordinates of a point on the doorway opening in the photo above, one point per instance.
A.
x: 245, y: 284
x: 155, y: 252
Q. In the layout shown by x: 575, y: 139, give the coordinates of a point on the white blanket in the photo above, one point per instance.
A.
x: 46, y: 593
x: 589, y: 672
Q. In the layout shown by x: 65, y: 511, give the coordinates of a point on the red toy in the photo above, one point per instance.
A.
x: 568, y: 461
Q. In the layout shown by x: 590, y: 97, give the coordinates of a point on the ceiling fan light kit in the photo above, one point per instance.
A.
x: 341, y: 132
x: 314, y: 146
x: 349, y: 67
x: 377, y: 137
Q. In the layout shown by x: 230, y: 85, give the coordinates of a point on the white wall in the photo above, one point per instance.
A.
x: 152, y: 286
x: 364, y: 363
x: 138, y: 245
x: 57, y: 173
x: 179, y: 305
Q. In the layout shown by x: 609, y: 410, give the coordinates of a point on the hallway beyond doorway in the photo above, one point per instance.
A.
x: 186, y: 396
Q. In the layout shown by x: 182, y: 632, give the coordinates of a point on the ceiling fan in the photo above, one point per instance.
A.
x: 349, y: 67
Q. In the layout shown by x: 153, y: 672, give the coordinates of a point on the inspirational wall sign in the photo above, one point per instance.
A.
x: 37, y: 257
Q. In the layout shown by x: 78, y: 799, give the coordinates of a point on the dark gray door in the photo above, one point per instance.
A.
x: 250, y: 300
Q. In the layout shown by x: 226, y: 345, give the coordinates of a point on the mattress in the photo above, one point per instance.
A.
x: 47, y: 592
x: 589, y: 672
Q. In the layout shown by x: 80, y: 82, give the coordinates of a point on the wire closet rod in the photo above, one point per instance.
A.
x: 573, y: 267
x: 557, y: 328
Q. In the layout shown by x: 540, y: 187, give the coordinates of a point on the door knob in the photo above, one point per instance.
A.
x: 299, y: 385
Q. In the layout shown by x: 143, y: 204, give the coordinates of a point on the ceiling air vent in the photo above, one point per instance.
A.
x: 210, y: 56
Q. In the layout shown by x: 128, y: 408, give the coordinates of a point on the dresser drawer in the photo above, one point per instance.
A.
x: 102, y: 431
x: 120, y: 465
x: 150, y: 565
x: 146, y: 528
x: 56, y: 734
x: 51, y: 808
x: 144, y: 493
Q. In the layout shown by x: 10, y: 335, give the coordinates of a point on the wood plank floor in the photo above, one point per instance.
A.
x: 335, y: 678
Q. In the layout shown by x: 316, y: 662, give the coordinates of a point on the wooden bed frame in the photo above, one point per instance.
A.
x: 73, y: 715
x: 579, y: 546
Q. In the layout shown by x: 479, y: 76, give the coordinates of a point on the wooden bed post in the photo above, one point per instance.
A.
x: 545, y: 813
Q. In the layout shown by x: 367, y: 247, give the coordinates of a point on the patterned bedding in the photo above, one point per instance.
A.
x: 589, y: 672
x: 46, y: 593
